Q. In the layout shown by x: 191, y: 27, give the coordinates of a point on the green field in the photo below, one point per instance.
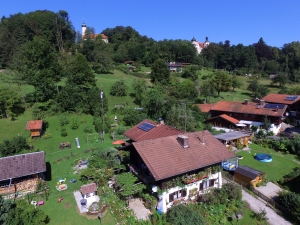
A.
x: 281, y: 165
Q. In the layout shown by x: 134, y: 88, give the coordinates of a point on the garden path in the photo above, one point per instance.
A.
x: 140, y: 211
x: 256, y: 205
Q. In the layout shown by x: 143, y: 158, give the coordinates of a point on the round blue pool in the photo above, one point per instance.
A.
x: 263, y: 157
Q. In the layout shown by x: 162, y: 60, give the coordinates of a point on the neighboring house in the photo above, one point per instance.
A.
x: 35, y: 127
x: 21, y: 172
x: 199, y: 45
x: 92, y: 36
x: 205, y: 107
x: 88, y: 190
x: 182, y: 166
x: 246, y: 176
x: 175, y: 67
x: 251, y: 113
x: 292, y: 102
x: 235, y: 138
x: 148, y: 129
x: 225, y: 121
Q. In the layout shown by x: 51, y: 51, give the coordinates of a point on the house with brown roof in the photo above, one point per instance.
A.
x: 182, y: 166
x: 35, y: 127
x: 175, y: 67
x: 225, y: 121
x: 148, y: 129
x: 251, y: 113
x: 21, y: 172
x: 292, y: 102
x: 88, y: 190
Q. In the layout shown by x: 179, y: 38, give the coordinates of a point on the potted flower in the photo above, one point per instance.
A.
x: 175, y: 202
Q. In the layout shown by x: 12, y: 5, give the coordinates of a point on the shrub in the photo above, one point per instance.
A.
x: 63, y: 120
x: 291, y: 201
x: 74, y: 124
x: 46, y: 135
x: 88, y: 129
x: 63, y: 132
x: 119, y: 89
x: 13, y: 146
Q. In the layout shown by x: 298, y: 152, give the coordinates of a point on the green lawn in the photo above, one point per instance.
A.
x: 65, y: 212
x: 107, y: 81
x: 280, y: 166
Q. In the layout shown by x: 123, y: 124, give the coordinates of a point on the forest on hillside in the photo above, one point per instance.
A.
x: 125, y: 43
x: 43, y: 50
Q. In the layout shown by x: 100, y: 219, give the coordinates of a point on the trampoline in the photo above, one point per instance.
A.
x: 263, y: 157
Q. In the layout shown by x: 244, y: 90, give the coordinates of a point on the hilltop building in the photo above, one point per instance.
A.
x: 93, y: 36
x: 199, y: 45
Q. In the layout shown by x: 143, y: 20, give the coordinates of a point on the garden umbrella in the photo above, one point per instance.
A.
x: 119, y: 142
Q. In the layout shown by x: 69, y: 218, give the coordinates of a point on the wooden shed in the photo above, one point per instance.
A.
x: 35, y: 127
x: 245, y: 175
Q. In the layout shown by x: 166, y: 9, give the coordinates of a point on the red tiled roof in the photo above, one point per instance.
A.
x: 250, y: 108
x: 160, y: 130
x: 22, y: 165
x: 165, y: 157
x: 89, y: 188
x: 201, y: 44
x: 104, y: 36
x: 34, y: 125
x: 228, y: 118
x: 279, y: 98
x: 205, y: 107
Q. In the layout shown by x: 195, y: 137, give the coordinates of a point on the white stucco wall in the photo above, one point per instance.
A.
x: 164, y: 203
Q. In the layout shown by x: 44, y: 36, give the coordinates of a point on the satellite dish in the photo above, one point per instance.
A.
x: 287, y: 114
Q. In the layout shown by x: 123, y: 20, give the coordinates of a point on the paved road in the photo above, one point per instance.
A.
x: 256, y: 205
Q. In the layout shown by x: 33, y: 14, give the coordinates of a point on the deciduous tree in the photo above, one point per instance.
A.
x: 160, y: 72
x: 221, y: 81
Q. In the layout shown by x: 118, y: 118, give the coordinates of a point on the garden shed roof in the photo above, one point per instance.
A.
x: 89, y: 188
x: 248, y: 172
x: 178, y: 154
x: 34, y: 125
x: 22, y: 165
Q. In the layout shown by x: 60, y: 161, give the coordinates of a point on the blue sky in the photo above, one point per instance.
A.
x: 240, y: 21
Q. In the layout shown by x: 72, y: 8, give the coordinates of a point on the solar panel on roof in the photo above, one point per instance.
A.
x: 146, y: 126
x: 274, y: 106
x: 291, y: 98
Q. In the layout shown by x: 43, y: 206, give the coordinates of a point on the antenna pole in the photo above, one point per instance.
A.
x: 101, y: 96
x: 185, y: 116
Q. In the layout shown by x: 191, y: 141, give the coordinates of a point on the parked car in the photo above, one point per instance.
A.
x: 289, y: 133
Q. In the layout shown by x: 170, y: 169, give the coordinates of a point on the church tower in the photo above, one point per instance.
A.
x: 83, y: 29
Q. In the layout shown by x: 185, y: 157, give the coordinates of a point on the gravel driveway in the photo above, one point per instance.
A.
x: 256, y: 205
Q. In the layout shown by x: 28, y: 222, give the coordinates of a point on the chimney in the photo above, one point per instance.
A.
x: 183, y: 141
x: 258, y: 106
x: 262, y: 102
x: 161, y: 121
x: 246, y: 101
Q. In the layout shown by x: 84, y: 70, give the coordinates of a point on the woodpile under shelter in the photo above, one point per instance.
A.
x: 20, y: 173
x: 245, y: 175
x: 35, y: 127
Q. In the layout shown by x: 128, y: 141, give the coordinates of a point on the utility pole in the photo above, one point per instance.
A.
x: 185, y: 116
x: 101, y: 96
